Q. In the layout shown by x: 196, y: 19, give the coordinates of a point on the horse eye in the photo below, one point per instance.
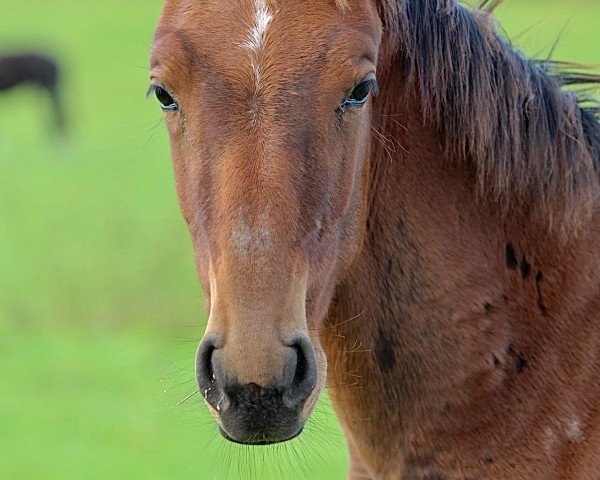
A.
x: 167, y: 102
x: 360, y: 92
x: 359, y: 95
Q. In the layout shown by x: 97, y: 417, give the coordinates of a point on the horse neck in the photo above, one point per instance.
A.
x: 424, y: 245
x: 448, y: 292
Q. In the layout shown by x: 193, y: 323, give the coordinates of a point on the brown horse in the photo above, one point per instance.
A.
x: 385, y: 193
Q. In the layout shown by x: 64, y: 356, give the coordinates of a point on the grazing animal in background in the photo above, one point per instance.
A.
x: 385, y: 193
x: 38, y: 70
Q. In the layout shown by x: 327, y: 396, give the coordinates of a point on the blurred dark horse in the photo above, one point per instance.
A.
x: 34, y: 69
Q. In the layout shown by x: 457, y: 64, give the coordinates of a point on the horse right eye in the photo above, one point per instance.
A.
x: 167, y: 102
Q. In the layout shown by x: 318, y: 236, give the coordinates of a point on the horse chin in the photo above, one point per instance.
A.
x: 264, y: 441
x: 277, y: 428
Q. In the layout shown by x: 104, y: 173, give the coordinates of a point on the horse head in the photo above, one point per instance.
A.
x: 268, y: 109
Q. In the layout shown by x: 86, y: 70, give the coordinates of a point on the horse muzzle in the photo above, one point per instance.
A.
x: 257, y: 412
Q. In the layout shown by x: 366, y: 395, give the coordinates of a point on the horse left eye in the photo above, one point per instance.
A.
x: 359, y: 95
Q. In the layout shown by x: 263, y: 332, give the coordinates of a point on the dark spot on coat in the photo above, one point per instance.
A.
x: 520, y: 364
x: 540, y: 301
x: 487, y: 307
x: 384, y: 352
x: 511, y: 257
x: 525, y: 268
x: 389, y: 265
x: 495, y: 360
x: 487, y: 459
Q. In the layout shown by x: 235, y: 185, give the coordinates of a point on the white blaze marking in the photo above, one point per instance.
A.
x: 256, y: 36
x: 262, y: 18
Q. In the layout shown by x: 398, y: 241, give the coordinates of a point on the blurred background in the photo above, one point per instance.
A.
x: 100, y: 311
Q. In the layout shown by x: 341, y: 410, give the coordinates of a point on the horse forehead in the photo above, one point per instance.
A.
x: 245, y: 23
x: 242, y: 13
x: 229, y: 38
x: 236, y: 35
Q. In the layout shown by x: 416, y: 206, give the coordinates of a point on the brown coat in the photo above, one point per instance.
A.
x: 433, y: 246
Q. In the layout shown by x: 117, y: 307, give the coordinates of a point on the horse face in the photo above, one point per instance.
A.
x: 268, y: 111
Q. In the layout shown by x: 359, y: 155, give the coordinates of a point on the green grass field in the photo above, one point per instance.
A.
x: 100, y: 311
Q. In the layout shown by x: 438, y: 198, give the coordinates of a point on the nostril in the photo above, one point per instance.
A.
x: 305, y: 375
x: 301, y: 367
x: 204, y: 366
x: 205, y: 370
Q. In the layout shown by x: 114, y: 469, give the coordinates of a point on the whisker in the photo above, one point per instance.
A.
x: 351, y: 319
x: 187, y: 397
